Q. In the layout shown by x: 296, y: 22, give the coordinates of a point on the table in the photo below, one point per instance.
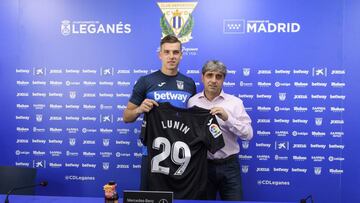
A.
x: 66, y: 199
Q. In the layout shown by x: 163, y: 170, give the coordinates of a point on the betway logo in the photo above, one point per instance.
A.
x: 170, y: 96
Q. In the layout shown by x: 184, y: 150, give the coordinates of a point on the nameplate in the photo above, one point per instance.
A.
x: 132, y: 196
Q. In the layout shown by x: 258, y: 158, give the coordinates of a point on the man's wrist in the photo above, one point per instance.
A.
x: 137, y: 111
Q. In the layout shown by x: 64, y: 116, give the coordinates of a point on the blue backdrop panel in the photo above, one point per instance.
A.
x: 68, y: 68
x: 351, y: 60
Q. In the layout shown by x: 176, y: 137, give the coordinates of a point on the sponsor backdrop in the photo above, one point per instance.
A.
x: 68, y: 68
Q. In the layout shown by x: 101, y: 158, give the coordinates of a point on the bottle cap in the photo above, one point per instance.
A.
x: 111, y: 182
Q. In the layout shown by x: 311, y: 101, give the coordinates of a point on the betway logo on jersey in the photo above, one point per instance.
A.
x: 170, y: 96
x: 176, y: 98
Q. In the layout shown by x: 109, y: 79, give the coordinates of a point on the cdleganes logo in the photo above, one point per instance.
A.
x: 177, y: 19
x: 93, y: 27
x: 242, y: 26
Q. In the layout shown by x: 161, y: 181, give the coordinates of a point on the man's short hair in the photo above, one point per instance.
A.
x: 170, y: 39
x: 214, y: 65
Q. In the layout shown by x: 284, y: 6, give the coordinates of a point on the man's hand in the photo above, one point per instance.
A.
x: 146, y: 106
x: 220, y: 112
x: 133, y: 111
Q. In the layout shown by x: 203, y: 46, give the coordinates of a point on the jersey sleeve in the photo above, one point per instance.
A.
x: 214, y: 135
x: 139, y: 92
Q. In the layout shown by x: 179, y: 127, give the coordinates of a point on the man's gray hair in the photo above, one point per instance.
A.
x: 214, y: 65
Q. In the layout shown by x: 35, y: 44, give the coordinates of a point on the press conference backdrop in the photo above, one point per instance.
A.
x: 68, y: 69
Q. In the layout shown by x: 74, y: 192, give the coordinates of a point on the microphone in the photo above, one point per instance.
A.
x: 308, y: 197
x: 42, y: 183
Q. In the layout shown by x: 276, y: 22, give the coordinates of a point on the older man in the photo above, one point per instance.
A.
x: 223, y: 166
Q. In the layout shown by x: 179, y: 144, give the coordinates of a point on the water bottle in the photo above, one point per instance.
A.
x: 111, y: 196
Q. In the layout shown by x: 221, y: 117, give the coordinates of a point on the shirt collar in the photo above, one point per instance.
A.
x: 221, y: 95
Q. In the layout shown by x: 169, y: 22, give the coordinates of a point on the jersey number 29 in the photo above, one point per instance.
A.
x: 179, y: 152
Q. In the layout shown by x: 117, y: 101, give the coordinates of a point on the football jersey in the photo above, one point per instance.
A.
x: 163, y: 88
x: 176, y: 90
x: 177, y: 141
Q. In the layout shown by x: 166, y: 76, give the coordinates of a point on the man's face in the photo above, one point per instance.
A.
x: 213, y: 82
x: 170, y: 55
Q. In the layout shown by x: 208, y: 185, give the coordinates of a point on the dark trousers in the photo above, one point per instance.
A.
x: 224, y: 177
x: 144, y: 173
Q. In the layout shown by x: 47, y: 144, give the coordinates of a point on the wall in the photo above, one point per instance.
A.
x: 63, y: 91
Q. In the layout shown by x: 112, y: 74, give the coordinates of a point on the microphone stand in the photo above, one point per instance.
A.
x: 308, y: 197
x: 43, y: 183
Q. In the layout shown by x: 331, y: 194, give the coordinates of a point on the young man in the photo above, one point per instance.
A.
x: 165, y: 85
x: 223, y: 166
